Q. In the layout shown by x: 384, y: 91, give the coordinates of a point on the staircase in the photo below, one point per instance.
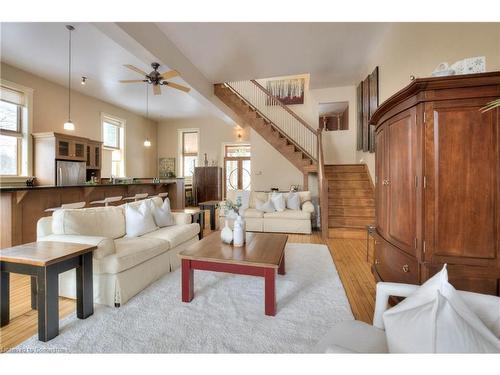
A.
x: 272, y: 120
x: 351, y: 203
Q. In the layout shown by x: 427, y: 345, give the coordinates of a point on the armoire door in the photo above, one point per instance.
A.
x: 401, y: 170
x: 461, y: 199
x: 380, y: 181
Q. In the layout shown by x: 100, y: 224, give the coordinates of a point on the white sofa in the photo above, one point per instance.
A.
x: 123, y: 266
x: 354, y: 336
x: 287, y: 221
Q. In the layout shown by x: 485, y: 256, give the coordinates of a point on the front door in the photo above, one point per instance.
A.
x: 237, y: 168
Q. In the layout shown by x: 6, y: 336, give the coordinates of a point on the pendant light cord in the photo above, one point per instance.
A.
x: 147, y: 102
x: 69, y: 79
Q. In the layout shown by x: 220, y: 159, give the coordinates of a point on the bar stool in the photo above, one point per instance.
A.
x: 108, y: 200
x: 136, y: 197
x: 66, y: 205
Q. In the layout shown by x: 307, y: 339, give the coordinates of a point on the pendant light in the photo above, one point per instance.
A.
x: 147, y: 142
x: 68, y: 125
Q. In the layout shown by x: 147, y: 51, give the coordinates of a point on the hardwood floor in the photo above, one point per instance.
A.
x: 349, y: 256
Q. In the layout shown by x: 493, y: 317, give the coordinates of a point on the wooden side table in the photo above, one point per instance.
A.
x: 44, y: 261
x: 211, y: 206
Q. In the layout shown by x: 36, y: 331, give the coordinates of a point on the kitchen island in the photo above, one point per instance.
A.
x: 22, y: 206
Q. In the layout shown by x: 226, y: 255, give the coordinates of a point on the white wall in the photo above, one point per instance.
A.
x: 50, y: 111
x: 417, y: 48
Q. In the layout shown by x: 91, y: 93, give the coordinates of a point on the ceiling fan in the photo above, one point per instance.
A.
x: 156, y: 78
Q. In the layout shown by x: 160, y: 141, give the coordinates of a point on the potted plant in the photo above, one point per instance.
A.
x: 491, y: 105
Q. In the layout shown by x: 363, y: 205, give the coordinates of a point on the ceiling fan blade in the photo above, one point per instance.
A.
x: 156, y: 89
x: 131, y: 67
x: 131, y: 80
x: 169, y: 74
x: 177, y: 86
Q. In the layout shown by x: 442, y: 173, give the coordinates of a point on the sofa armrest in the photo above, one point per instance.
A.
x: 384, y: 291
x: 44, y: 227
x: 105, y: 245
x: 181, y: 218
x: 308, y: 207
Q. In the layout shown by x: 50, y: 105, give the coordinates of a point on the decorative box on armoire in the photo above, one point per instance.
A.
x: 207, y: 184
x: 438, y: 183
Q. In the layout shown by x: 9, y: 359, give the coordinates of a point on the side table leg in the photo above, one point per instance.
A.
x: 48, y: 303
x: 187, y: 281
x: 212, y: 217
x: 33, y: 292
x: 270, y: 292
x: 84, y: 287
x: 4, y: 298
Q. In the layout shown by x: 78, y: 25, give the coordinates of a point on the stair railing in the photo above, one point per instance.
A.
x: 322, y: 186
x: 282, y: 117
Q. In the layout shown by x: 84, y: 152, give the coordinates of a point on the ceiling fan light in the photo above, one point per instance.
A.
x: 68, y: 125
x: 147, y: 143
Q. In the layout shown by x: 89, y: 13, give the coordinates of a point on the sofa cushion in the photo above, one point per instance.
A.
x: 253, y: 212
x: 162, y: 214
x: 98, y: 221
x: 176, y: 234
x: 139, y: 220
x: 352, y: 336
x: 105, y: 246
x: 288, y: 214
x: 279, y: 201
x: 267, y: 206
x: 293, y: 201
x: 130, y: 251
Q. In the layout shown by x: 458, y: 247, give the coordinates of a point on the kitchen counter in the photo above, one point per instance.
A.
x: 7, y: 188
x: 23, y: 206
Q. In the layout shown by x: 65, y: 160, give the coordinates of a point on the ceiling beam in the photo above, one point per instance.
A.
x: 148, y: 43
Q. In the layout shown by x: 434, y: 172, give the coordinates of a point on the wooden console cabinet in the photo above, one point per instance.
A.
x: 207, y: 184
x: 438, y: 183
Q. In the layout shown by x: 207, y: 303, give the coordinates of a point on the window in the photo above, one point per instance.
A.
x: 111, y: 133
x: 15, y: 101
x: 113, y: 138
x: 237, y: 167
x: 189, y: 154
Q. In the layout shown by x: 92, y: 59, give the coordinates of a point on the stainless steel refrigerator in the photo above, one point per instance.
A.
x: 70, y: 173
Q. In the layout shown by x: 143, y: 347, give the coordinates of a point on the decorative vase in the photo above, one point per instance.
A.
x: 226, y: 234
x: 239, y: 232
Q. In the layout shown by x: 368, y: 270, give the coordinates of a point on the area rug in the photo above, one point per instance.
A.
x: 225, y: 316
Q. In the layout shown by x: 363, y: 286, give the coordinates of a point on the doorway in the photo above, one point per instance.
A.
x: 237, y: 167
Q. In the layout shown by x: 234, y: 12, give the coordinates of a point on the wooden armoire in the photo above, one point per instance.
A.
x: 438, y: 183
x: 207, y: 184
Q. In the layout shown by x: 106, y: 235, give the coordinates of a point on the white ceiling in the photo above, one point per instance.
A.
x: 333, y: 53
x: 42, y: 49
x: 328, y: 108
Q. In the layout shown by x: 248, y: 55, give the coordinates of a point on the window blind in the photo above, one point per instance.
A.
x: 12, y: 96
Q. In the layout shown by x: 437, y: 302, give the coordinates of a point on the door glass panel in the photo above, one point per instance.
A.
x: 88, y: 155
x: 63, y: 148
x: 231, y: 175
x: 79, y: 150
x: 246, y: 173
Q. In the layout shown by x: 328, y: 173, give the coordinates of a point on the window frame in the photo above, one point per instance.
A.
x: 24, y: 167
x: 118, y: 126
x: 181, y: 152
x: 122, y: 125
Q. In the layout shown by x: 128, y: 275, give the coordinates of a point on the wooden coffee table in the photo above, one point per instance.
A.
x: 262, y: 255
x: 44, y: 261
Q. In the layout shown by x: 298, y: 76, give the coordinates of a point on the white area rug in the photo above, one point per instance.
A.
x: 225, y: 316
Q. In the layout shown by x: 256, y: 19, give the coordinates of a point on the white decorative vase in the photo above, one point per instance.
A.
x: 239, y: 232
x: 226, y: 234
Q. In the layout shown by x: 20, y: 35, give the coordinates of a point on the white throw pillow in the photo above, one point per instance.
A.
x: 293, y: 201
x: 435, y: 319
x: 267, y: 207
x: 162, y: 215
x: 139, y: 220
x: 279, y: 202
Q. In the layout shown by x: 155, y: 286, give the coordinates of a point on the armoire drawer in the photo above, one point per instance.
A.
x: 393, y: 264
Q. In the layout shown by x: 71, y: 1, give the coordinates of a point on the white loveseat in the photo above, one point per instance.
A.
x: 287, y: 221
x: 123, y: 266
